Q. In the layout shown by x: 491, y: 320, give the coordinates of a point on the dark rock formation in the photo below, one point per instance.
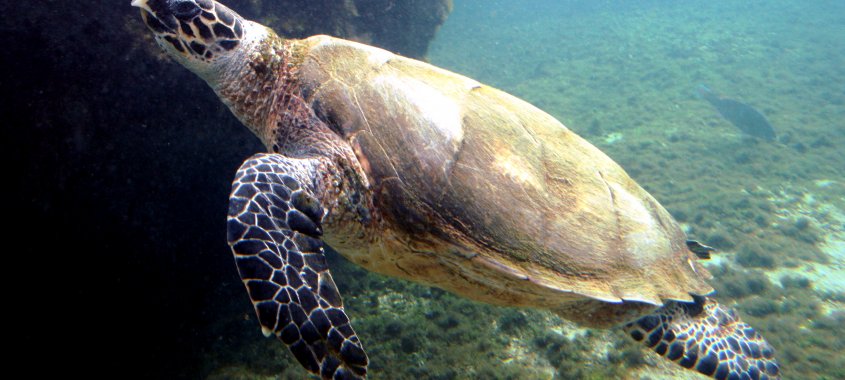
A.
x: 118, y: 165
x: 401, y: 26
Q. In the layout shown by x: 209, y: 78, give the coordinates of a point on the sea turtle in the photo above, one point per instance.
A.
x: 413, y: 171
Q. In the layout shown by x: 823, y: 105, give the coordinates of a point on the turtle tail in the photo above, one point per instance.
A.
x: 707, y: 337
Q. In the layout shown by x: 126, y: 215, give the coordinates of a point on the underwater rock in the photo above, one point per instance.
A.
x: 404, y: 27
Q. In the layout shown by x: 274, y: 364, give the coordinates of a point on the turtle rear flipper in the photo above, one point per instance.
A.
x: 707, y: 337
x: 274, y: 229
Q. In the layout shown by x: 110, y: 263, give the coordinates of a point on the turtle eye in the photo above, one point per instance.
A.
x: 185, y: 10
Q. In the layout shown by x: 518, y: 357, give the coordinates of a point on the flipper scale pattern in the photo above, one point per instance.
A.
x: 709, y: 338
x: 274, y: 229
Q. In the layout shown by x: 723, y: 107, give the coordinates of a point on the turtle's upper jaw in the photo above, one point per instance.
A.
x: 197, y: 33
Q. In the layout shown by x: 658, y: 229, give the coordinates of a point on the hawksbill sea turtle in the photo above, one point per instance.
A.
x: 415, y: 172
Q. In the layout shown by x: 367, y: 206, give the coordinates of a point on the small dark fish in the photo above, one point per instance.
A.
x: 741, y: 115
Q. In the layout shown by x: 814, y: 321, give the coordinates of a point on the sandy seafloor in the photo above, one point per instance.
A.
x: 623, y: 76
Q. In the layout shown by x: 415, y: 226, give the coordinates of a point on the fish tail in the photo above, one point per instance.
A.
x: 703, y: 91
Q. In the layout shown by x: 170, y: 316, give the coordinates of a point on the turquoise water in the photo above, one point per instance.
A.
x: 624, y: 77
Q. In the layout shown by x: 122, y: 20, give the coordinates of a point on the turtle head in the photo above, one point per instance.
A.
x: 199, y: 34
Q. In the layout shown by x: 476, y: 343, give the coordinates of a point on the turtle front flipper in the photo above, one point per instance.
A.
x: 274, y: 230
x: 707, y: 337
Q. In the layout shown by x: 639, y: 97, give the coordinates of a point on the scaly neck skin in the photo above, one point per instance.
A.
x: 260, y: 86
x: 259, y: 83
x: 248, y: 80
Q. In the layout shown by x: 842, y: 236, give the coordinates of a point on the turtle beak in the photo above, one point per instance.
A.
x: 142, y: 4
